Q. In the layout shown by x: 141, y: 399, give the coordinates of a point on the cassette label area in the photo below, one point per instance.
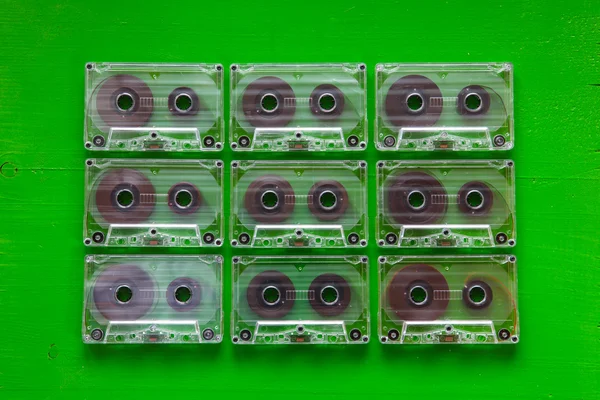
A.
x: 318, y: 300
x: 153, y: 203
x: 455, y: 299
x: 298, y: 204
x: 153, y: 299
x: 446, y: 203
x: 320, y: 107
x: 154, y: 107
x: 444, y: 107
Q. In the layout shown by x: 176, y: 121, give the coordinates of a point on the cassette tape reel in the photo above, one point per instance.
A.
x: 446, y: 203
x: 153, y: 299
x: 444, y: 107
x: 153, y: 203
x: 164, y: 107
x: 448, y: 299
x: 318, y: 107
x: 299, y: 204
x: 319, y: 300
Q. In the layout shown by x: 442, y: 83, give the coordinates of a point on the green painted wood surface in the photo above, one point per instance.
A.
x: 555, y: 48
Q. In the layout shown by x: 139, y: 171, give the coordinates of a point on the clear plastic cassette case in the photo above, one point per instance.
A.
x: 464, y: 107
x: 291, y: 107
x: 448, y: 299
x: 300, y: 300
x: 153, y: 299
x: 153, y: 203
x: 298, y: 204
x: 446, y: 203
x: 154, y: 107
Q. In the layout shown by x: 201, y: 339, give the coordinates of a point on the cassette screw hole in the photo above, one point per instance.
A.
x: 89, y: 66
x: 234, y: 145
x: 364, y: 259
x: 123, y: 294
x: 244, y: 238
x: 208, y: 237
x: 362, y: 67
x: 514, y: 339
x: 389, y: 141
x: 363, y: 145
x: 512, y: 258
x: 391, y: 238
x: 365, y: 339
x: 154, y: 135
x: 234, y: 67
x: 183, y: 294
x: 269, y: 103
x: 510, y: 164
x: 87, y: 241
x: 503, y: 334
x: 153, y: 231
x: 499, y: 140
x: 234, y: 165
x: 208, y: 141
x: 208, y: 334
x: 235, y: 339
x: 97, y: 334
x: 298, y: 232
x: 88, y: 145
x: 415, y: 102
x: 235, y: 260
x: 219, y: 67
x: 380, y: 164
x: 449, y: 328
x: 89, y: 162
x: 244, y: 141
x: 363, y: 242
x: 124, y: 102
x: 218, y: 145
x: 445, y: 232
x: 384, y: 339
x: 501, y: 238
x: 353, y: 238
x: 300, y: 329
x: 355, y: 334
x: 511, y: 242
x: 382, y: 260
x: 234, y: 242
x: 245, y: 335
x: 98, y: 237
x: 219, y: 164
x: 362, y: 164
x: 393, y: 334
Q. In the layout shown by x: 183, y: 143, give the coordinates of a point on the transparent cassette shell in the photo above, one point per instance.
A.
x: 465, y: 107
x: 298, y: 204
x: 448, y: 299
x: 298, y: 107
x: 446, y: 203
x: 154, y: 107
x: 153, y: 203
x: 153, y: 299
x: 300, y: 300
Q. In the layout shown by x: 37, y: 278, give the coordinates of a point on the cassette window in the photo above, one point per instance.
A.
x: 454, y: 299
x: 154, y: 107
x: 299, y: 204
x: 444, y: 107
x: 446, y: 203
x: 152, y: 299
x: 153, y: 203
x: 310, y: 107
x: 318, y: 300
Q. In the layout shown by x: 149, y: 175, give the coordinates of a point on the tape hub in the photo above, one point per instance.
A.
x: 125, y: 102
x: 475, y: 199
x: 329, y: 295
x: 327, y: 102
x: 183, y: 102
x: 269, y: 199
x: 333, y: 295
x: 269, y: 103
x: 473, y: 101
x: 184, y: 294
x: 413, y: 100
x: 416, y: 198
x: 267, y: 295
x: 125, y: 198
x: 415, y: 103
x: 184, y: 198
x: 328, y: 200
x: 477, y: 294
x: 271, y: 295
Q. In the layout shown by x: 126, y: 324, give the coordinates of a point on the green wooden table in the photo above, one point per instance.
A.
x: 555, y: 49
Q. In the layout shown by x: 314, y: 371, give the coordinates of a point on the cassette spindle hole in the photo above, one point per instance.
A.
x: 271, y: 295
x: 125, y: 102
x: 269, y: 103
x: 477, y: 294
x: 183, y: 294
x: 183, y: 199
x: 328, y: 200
x: 474, y: 199
x: 326, y: 102
x: 270, y: 200
x: 123, y: 294
x: 416, y: 200
x: 418, y: 295
x: 473, y: 102
x: 183, y: 102
x: 329, y: 295
x: 415, y: 103
x: 125, y: 199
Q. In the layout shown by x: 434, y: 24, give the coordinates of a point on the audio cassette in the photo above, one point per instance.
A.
x: 153, y: 203
x: 444, y: 106
x: 154, y: 107
x: 153, y: 299
x: 448, y: 299
x: 306, y: 107
x: 318, y: 300
x: 446, y: 203
x: 298, y: 204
